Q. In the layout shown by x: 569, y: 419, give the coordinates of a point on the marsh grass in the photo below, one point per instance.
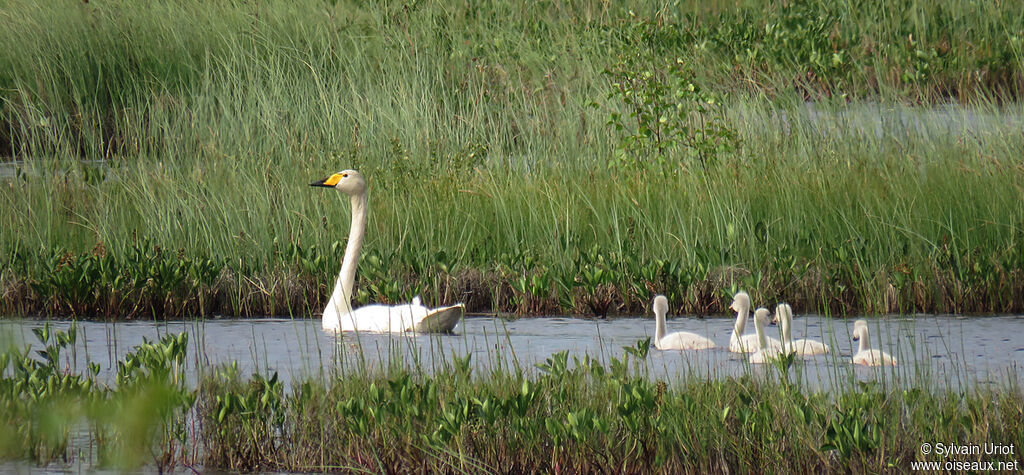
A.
x: 164, y: 150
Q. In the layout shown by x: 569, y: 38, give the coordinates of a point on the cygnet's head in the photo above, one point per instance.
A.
x: 860, y: 328
x: 740, y: 302
x: 761, y: 316
x: 349, y: 182
x: 660, y: 306
x: 782, y: 309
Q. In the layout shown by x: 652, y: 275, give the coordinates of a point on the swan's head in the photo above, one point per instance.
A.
x: 762, y: 316
x: 740, y: 302
x: 660, y: 306
x: 860, y: 328
x: 349, y: 182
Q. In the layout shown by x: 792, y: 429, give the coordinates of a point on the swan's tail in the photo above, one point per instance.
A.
x: 441, y: 320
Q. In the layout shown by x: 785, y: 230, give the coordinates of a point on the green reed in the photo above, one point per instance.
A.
x: 496, y: 177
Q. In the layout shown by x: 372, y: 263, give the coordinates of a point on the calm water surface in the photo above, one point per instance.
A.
x: 950, y: 351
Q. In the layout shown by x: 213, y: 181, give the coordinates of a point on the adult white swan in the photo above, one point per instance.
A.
x: 865, y: 355
x: 677, y: 340
x: 339, y: 315
x: 766, y: 352
x: 803, y: 346
x: 738, y: 342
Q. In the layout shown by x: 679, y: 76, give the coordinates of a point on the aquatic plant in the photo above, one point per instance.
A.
x: 141, y: 420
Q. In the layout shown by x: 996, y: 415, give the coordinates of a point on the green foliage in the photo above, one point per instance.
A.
x: 804, y: 38
x: 852, y: 429
x: 668, y: 120
x: 41, y: 399
x: 145, y: 279
x: 244, y: 414
x: 141, y: 420
x: 144, y: 416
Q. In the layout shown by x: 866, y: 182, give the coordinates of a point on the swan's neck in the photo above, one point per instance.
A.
x: 341, y: 299
x: 659, y: 326
x: 741, y: 321
x: 865, y: 345
x: 762, y: 340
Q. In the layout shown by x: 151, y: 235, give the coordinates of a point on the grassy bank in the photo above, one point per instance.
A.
x: 530, y: 159
x: 568, y: 414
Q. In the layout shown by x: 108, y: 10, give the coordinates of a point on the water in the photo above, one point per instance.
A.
x: 901, y: 122
x: 945, y: 351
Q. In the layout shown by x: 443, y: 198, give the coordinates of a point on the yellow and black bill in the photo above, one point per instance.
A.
x: 328, y: 182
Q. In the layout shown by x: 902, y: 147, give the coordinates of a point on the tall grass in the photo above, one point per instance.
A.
x: 483, y: 129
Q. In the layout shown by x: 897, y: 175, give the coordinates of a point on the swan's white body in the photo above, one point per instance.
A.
x: 339, y: 315
x: 765, y: 353
x: 738, y: 342
x: 865, y: 355
x: 677, y: 340
x: 379, y: 318
x: 803, y: 346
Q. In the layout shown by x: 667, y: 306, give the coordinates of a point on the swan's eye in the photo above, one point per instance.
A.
x: 344, y: 175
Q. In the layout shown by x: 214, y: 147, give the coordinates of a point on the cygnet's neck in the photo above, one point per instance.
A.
x: 785, y: 327
x: 741, y: 320
x: 762, y: 340
x: 865, y: 344
x: 659, y: 326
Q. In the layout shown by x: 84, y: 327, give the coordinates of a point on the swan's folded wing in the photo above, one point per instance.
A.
x: 371, y: 319
x: 743, y: 343
x: 441, y: 320
x: 684, y: 341
x: 810, y: 347
x: 775, y: 344
x: 748, y: 343
x: 377, y: 318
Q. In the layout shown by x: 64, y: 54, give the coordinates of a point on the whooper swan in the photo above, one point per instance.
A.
x: 339, y: 315
x: 803, y: 346
x: 865, y: 355
x: 738, y: 342
x: 677, y: 340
